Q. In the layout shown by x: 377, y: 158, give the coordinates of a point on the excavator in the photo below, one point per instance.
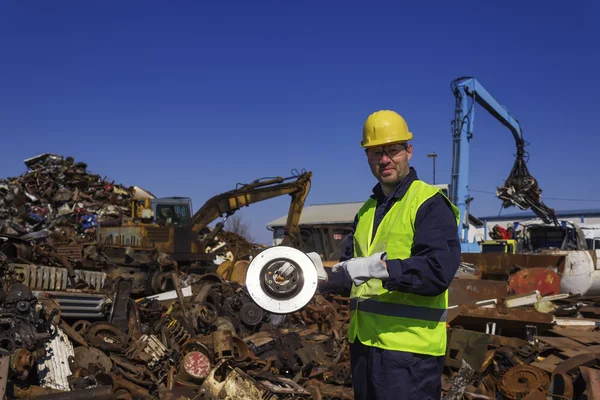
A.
x: 520, y: 189
x: 166, y: 224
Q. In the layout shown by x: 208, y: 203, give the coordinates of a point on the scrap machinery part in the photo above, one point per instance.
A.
x: 177, y: 332
x: 282, y: 279
x: 87, y: 306
x: 223, y: 344
x: 39, y: 277
x: 521, y: 380
x: 251, y: 314
x: 195, y: 365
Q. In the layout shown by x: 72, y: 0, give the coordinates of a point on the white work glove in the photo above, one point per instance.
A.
x: 362, y: 269
x: 316, y: 259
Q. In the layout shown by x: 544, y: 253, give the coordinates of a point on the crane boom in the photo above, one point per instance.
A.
x: 520, y: 188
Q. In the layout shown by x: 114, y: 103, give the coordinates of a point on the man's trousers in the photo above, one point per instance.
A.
x: 379, y: 374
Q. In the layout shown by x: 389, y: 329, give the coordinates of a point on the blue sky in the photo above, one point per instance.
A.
x: 190, y: 98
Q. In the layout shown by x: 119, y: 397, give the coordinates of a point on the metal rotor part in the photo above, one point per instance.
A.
x: 251, y: 314
x: 281, y: 279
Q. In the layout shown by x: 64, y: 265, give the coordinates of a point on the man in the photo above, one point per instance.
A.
x: 398, y: 264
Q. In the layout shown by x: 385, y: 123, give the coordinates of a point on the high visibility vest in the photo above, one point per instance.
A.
x: 395, y: 320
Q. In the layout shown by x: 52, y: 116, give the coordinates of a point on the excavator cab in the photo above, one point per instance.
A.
x: 171, y: 210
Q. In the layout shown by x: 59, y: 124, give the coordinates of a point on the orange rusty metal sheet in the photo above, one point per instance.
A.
x: 500, y: 265
x: 530, y: 279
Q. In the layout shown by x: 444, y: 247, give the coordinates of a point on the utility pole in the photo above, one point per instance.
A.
x: 434, y: 156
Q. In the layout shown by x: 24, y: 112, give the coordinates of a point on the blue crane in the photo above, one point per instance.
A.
x: 520, y: 188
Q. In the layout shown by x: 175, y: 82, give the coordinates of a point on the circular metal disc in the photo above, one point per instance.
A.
x: 196, y: 364
x: 306, y: 289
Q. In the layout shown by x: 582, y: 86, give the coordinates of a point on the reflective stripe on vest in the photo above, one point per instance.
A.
x: 395, y: 320
x: 374, y: 306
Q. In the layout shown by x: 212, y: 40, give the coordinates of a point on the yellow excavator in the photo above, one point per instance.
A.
x: 166, y: 224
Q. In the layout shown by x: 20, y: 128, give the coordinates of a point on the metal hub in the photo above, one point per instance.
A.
x: 281, y: 279
x: 251, y: 314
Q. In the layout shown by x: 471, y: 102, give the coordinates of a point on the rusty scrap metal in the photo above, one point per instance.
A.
x: 4, y: 370
x: 106, y: 336
x: 470, y: 291
x: 510, y: 321
x: 86, y: 357
x: 520, y: 380
x: 561, y: 386
x: 223, y: 344
x: 96, y: 393
x: 330, y: 391
x: 33, y: 392
x: 21, y: 362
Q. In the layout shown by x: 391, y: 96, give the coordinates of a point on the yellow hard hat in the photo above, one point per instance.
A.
x: 383, y: 127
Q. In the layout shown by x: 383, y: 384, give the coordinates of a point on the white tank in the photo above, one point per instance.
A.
x: 581, y: 274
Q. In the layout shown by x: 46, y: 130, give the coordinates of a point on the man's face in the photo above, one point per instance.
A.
x: 389, y: 164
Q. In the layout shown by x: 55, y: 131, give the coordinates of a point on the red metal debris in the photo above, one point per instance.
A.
x: 197, y: 364
x: 543, y: 279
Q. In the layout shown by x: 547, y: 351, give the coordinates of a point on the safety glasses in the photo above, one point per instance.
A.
x: 391, y: 150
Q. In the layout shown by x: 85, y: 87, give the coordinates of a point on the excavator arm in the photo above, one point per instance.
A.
x: 229, y: 202
x: 520, y: 188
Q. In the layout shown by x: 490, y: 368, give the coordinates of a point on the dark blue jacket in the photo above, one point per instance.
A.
x: 435, y: 255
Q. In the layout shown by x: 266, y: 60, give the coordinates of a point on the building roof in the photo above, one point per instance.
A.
x: 333, y: 213
x: 529, y: 214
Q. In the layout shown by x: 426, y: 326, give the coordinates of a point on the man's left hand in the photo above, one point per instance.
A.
x: 362, y: 269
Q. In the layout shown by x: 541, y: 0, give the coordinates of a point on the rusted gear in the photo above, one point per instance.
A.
x: 521, y: 380
x: 81, y: 326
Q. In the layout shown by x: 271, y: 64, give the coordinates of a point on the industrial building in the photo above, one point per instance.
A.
x: 324, y: 227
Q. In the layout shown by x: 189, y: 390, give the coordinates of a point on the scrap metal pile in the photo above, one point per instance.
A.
x: 507, y: 341
x: 57, y: 195
x: 78, y: 321
x: 205, y: 338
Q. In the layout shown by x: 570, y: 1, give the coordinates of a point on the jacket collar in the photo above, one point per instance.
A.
x: 400, y: 190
